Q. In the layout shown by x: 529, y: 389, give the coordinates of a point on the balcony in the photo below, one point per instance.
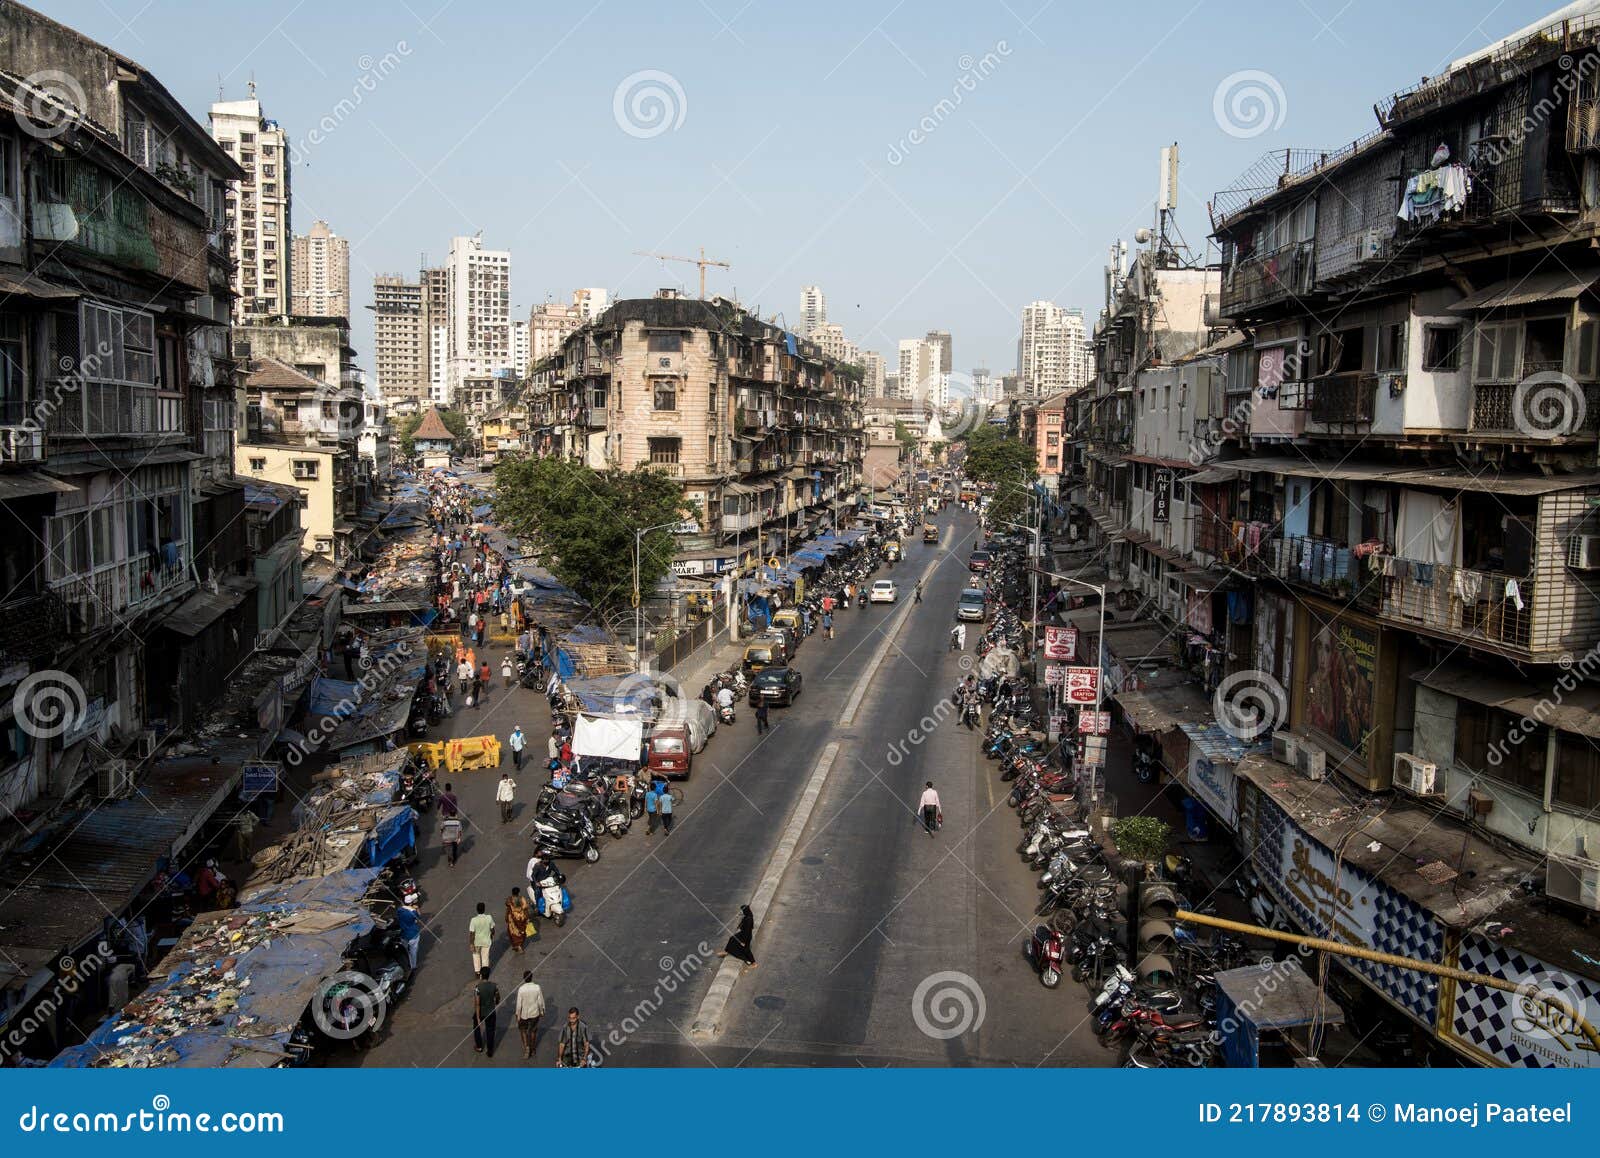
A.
x: 1462, y: 603
x: 1313, y: 561
x: 1344, y: 399
x: 745, y: 522
x: 1275, y: 277
x: 75, y: 408
x: 94, y: 600
x: 1541, y: 411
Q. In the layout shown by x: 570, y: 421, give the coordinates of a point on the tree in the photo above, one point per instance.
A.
x: 902, y: 434
x: 1011, y: 467
x: 581, y: 522
x: 454, y: 421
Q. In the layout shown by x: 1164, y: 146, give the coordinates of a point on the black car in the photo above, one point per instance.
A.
x: 775, y: 685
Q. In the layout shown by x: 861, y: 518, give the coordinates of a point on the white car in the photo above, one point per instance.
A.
x: 883, y: 591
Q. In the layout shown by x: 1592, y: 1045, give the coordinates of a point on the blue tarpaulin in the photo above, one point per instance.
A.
x: 238, y: 982
x: 335, y: 698
x: 790, y: 344
x: 614, y: 695
x: 396, y: 831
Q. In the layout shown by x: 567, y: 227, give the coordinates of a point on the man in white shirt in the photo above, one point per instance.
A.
x: 929, y: 807
x: 517, y: 742
x: 505, y: 795
x: 530, y: 1008
x: 725, y: 697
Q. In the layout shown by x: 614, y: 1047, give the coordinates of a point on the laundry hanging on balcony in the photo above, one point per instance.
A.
x: 1432, y: 193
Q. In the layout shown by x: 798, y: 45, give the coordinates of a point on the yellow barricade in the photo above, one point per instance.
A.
x: 468, y: 752
x: 431, y: 754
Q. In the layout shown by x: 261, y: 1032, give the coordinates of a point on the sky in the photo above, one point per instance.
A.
x: 929, y: 164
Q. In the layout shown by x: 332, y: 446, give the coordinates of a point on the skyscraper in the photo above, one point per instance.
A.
x: 1051, y: 352
x: 400, y: 338
x: 923, y: 375
x: 478, y: 312
x: 875, y: 374
x: 813, y: 309
x: 591, y: 302
x: 320, y: 265
x: 257, y: 208
x: 941, y: 338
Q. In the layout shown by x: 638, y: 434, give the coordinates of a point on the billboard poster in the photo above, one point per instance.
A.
x: 1082, y: 685
x: 1340, y: 685
x: 1060, y: 642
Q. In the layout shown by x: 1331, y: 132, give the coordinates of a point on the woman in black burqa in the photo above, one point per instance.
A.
x: 739, y: 944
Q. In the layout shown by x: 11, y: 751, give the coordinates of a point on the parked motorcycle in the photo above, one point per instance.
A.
x: 1045, y: 950
x: 566, y: 834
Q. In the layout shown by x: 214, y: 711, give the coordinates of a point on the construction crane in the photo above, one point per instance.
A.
x: 702, y: 261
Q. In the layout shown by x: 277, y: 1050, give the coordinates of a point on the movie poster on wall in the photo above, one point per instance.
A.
x: 1341, y: 683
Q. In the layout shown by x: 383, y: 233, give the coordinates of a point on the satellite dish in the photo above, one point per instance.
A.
x: 1141, y: 236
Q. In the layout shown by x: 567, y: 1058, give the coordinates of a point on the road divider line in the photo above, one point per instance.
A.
x: 708, y: 1022
x: 859, y: 692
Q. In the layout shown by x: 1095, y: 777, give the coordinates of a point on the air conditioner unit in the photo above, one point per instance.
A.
x: 1573, y: 879
x: 1415, y: 775
x: 1371, y: 244
x: 1583, y: 552
x: 114, y: 779
x: 1286, y: 748
x: 147, y: 743
x: 1311, y: 760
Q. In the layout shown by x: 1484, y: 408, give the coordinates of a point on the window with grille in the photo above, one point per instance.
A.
x: 666, y: 395
x: 664, y: 451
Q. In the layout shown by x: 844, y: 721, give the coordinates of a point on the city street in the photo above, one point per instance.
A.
x: 868, y: 910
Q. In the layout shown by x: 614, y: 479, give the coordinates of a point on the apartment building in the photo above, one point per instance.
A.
x: 813, y: 309
x: 476, y: 313
x: 874, y: 371
x: 1358, y: 484
x: 1052, y: 353
x: 258, y: 206
x: 763, y: 431
x: 549, y: 326
x: 400, y: 338
x: 319, y: 274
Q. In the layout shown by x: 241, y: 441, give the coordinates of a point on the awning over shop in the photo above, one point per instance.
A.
x: 33, y: 288
x: 1576, y: 711
x: 1203, y: 579
x: 1530, y: 289
x: 1163, y: 709
x: 26, y: 483
x: 1211, y: 475
x: 201, y: 610
x: 1219, y: 745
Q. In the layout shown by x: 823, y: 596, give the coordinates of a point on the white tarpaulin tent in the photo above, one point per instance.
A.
x: 603, y: 736
x: 1001, y: 661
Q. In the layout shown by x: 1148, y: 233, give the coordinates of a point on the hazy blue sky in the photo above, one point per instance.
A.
x: 793, y: 157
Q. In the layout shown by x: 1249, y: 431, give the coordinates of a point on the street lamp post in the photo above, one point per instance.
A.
x: 638, y: 545
x: 1100, y: 639
x: 1033, y: 574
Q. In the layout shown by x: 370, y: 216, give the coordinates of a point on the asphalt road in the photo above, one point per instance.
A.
x: 882, y: 945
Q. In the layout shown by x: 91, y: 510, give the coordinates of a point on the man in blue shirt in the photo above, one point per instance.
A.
x: 651, y: 801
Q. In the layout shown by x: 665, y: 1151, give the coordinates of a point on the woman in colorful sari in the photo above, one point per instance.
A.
x: 519, y: 915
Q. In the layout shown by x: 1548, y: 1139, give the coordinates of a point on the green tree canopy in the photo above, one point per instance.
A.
x: 581, y: 522
x: 1009, y: 465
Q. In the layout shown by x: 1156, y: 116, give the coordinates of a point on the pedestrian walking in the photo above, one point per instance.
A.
x: 827, y: 624
x: 652, y: 800
x: 530, y: 1008
x: 519, y: 920
x: 480, y: 931
x: 463, y: 669
x: 553, y: 747
x: 450, y: 837
x: 244, y: 830
x: 475, y: 692
x: 761, y: 716
x: 932, y: 813
x: 449, y: 806
x: 664, y: 807
x: 961, y: 637
x: 508, y: 671
x: 472, y: 625
x: 485, y: 999
x: 573, y: 1049
x: 917, y: 591
x: 505, y: 795
x: 738, y: 945
x: 517, y: 742
x: 505, y: 622
x: 486, y: 674
x: 409, y: 918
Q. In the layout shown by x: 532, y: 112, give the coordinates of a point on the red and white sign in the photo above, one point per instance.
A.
x: 1082, y: 685
x: 1055, y: 675
x: 1094, y: 723
x: 1060, y: 642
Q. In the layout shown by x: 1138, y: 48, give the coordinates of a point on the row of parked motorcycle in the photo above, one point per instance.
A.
x: 1151, y: 978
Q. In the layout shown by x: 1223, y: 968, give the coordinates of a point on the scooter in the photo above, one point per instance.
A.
x: 1045, y: 950
x: 560, y: 840
x: 548, y: 885
x: 725, y: 714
